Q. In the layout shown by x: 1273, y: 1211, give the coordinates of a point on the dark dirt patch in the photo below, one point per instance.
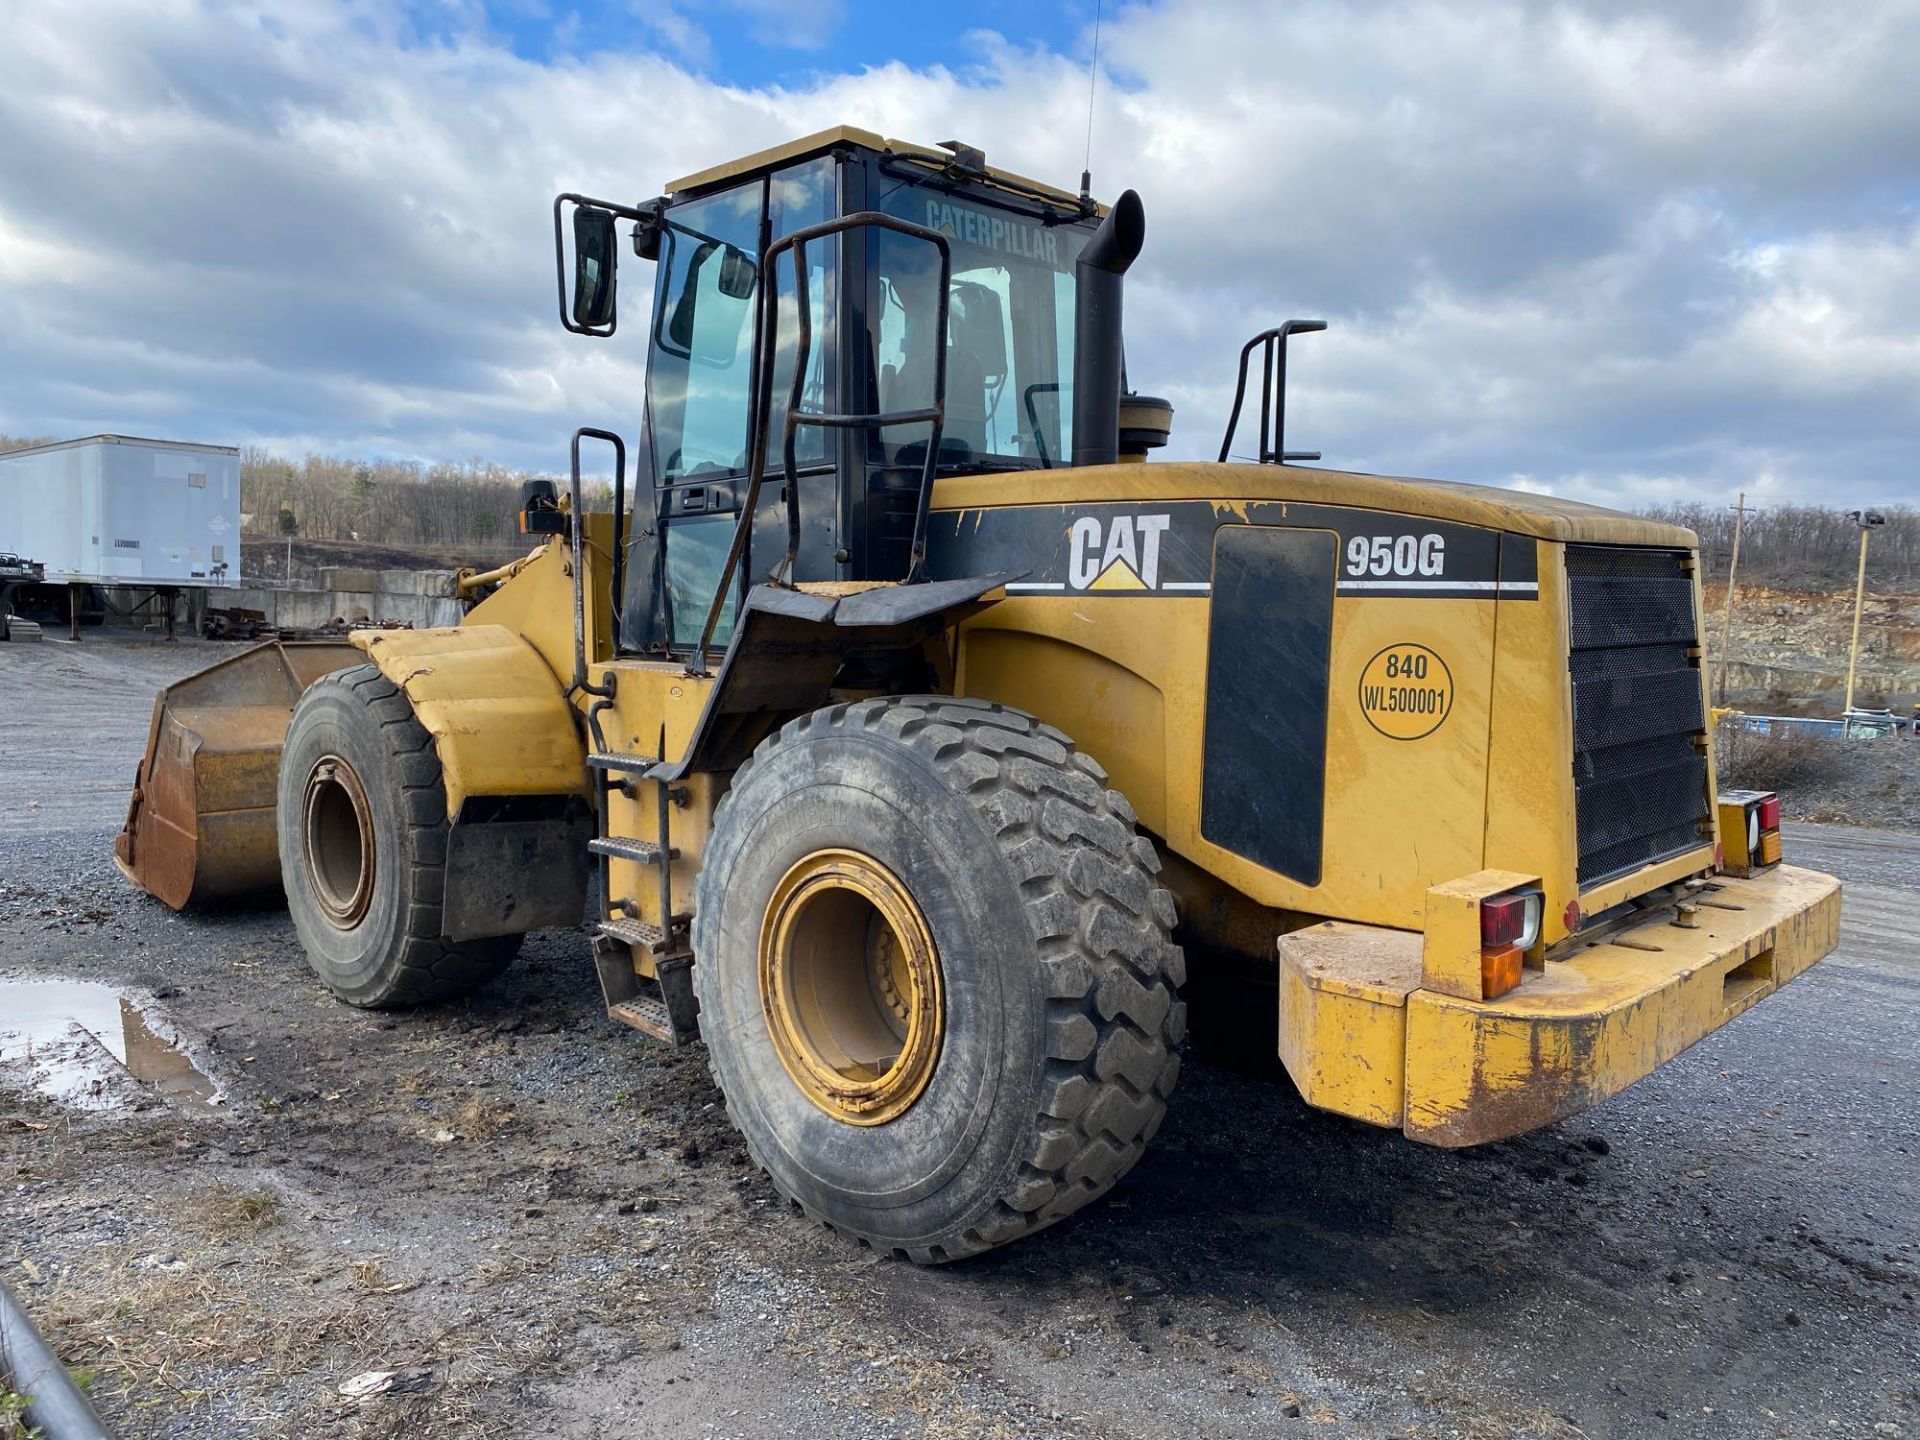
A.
x: 540, y: 1222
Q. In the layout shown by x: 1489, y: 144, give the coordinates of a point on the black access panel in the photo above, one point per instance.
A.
x: 1270, y: 645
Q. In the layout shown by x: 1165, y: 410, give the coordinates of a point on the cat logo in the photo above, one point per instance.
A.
x: 1122, y: 554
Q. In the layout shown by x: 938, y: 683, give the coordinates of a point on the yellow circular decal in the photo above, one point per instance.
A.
x: 1406, y: 692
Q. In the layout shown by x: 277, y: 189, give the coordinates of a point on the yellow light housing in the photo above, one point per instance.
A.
x: 1749, y: 830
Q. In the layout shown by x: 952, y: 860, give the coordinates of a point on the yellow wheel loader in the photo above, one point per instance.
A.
x: 911, y: 733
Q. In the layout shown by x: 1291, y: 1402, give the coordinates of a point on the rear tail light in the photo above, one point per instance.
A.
x: 1509, y: 927
x: 1749, y: 830
x: 1511, y: 919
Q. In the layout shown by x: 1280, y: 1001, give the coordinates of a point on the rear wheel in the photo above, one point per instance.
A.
x: 362, y: 819
x: 936, y: 975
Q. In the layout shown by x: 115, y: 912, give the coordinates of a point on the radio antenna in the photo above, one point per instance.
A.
x: 1093, y: 80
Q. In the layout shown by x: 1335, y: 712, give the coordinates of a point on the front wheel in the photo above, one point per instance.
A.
x: 362, y: 820
x: 935, y: 971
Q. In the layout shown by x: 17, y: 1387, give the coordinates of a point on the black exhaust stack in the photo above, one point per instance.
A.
x: 1096, y: 330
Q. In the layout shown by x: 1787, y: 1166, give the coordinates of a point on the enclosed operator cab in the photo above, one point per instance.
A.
x: 870, y: 349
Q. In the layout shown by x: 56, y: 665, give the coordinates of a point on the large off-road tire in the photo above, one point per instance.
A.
x: 362, y: 820
x: 1052, y: 993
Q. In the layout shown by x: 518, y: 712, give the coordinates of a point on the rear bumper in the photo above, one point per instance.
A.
x: 1361, y: 1036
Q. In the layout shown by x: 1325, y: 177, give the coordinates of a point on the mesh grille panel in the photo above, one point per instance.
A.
x: 1639, y: 775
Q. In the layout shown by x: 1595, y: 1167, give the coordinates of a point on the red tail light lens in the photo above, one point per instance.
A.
x: 1770, y: 813
x: 1501, y: 920
x: 1510, y: 920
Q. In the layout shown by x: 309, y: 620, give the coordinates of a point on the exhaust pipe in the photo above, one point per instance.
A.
x: 1096, y: 330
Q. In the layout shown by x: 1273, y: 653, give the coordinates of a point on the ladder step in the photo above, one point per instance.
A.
x: 626, y: 764
x: 664, y: 1007
x: 647, y: 1015
x: 643, y: 936
x: 644, y: 852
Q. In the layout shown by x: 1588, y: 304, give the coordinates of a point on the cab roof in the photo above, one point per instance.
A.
x: 823, y: 140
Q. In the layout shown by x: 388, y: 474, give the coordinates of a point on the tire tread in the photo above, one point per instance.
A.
x: 430, y: 966
x: 1102, y: 927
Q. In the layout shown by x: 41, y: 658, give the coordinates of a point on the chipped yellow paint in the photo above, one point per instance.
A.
x: 1343, y: 995
x: 1594, y: 1023
x: 1360, y: 1036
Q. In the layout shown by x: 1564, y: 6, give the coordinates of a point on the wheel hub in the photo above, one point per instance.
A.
x: 850, y: 983
x: 340, y: 847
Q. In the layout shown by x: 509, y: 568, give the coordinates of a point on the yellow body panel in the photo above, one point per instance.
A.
x: 1128, y: 682
x: 497, y: 713
x: 1343, y: 1026
x: 1582, y: 1029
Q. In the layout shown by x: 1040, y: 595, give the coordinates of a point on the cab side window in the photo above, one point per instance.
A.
x: 700, y: 369
x: 700, y: 372
x: 796, y: 199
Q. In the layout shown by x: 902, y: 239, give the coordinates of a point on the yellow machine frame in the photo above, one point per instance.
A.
x: 1379, y: 1018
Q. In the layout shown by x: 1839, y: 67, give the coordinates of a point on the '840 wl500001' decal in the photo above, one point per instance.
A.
x: 1167, y: 549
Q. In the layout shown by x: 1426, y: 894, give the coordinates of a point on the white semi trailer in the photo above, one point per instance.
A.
x: 153, y: 516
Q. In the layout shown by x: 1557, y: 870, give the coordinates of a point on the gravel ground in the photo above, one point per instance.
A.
x: 541, y: 1222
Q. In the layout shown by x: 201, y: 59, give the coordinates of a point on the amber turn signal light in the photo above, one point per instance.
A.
x: 1499, y: 970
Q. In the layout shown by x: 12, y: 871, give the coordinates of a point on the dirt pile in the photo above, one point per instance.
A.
x: 1789, y: 651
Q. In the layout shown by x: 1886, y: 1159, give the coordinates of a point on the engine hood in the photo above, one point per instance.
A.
x: 1543, y: 517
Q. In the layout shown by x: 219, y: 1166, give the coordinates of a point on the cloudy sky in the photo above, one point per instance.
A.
x: 1628, y: 252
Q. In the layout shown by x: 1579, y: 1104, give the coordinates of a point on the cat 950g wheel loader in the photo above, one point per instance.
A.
x: 916, y: 733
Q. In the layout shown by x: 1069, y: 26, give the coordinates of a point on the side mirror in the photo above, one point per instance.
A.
x: 737, y: 274
x: 705, y: 322
x: 595, y: 265
x: 587, y: 307
x: 977, y: 328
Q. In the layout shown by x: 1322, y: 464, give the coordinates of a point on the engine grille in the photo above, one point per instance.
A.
x: 1639, y: 774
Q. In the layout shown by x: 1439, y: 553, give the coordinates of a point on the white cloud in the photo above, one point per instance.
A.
x: 1620, y: 251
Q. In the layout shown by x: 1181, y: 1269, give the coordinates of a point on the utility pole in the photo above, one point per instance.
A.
x: 1726, y: 626
x: 1867, y: 520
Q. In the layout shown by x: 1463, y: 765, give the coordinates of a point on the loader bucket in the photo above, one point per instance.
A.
x: 200, y: 823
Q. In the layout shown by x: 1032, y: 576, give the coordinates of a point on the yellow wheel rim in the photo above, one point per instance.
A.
x: 342, y: 858
x: 850, y: 983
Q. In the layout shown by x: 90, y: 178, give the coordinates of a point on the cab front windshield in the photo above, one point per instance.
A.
x: 1009, y: 325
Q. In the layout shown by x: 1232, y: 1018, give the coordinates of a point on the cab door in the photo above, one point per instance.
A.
x: 699, y: 395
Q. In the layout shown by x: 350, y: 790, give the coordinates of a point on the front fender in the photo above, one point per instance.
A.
x: 498, y: 715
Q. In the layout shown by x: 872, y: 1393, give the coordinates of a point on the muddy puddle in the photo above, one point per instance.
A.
x: 91, y: 1046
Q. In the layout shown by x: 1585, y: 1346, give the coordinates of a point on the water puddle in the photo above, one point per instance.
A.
x: 84, y: 1044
